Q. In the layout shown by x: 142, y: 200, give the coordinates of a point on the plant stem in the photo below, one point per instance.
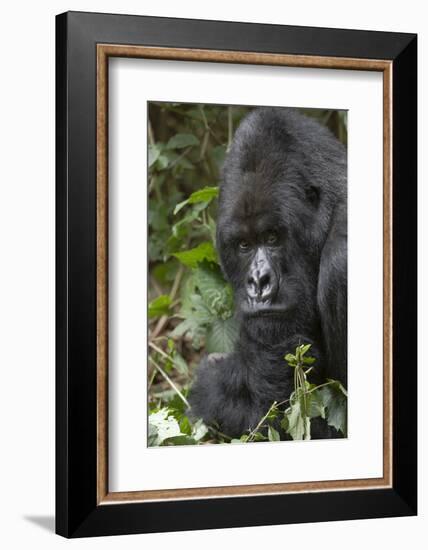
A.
x: 260, y: 423
x: 307, y: 393
x: 204, y: 218
x: 204, y: 145
x: 176, y: 283
x: 183, y: 154
x: 150, y: 133
x: 320, y: 386
x: 152, y: 378
x: 161, y: 352
x: 170, y: 382
x: 204, y: 118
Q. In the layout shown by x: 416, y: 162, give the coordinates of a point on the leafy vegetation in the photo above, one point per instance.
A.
x: 190, y: 304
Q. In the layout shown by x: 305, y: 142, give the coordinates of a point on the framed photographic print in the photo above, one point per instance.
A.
x: 236, y: 274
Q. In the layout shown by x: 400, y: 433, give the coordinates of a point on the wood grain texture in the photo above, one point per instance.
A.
x: 255, y: 58
x: 387, y: 275
x: 102, y: 275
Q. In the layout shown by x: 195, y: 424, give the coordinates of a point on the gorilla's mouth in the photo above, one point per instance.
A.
x: 264, y: 309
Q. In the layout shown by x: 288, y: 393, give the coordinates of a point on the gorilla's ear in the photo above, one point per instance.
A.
x: 332, y: 295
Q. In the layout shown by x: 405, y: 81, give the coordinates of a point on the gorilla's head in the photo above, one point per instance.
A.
x: 283, y: 179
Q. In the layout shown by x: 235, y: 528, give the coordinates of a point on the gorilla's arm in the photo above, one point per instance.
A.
x: 332, y: 296
x: 222, y: 397
x: 233, y: 392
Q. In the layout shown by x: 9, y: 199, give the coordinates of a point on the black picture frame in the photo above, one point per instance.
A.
x: 78, y: 513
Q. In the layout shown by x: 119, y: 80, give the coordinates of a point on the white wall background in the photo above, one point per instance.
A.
x: 27, y: 271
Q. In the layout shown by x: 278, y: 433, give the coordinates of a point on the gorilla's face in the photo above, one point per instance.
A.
x: 264, y: 240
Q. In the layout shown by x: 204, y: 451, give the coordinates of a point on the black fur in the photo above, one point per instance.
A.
x: 285, y: 175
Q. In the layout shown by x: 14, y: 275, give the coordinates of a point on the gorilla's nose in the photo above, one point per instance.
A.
x: 258, y: 286
x: 261, y: 281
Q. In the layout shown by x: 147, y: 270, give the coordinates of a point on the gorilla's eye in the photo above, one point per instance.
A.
x: 272, y: 238
x: 244, y: 246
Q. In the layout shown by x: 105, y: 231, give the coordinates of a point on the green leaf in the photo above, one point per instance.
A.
x: 152, y: 436
x: 154, y: 152
x: 158, y: 216
x: 185, y: 163
x: 315, y: 404
x: 195, y: 308
x: 295, y: 423
x: 304, y: 349
x: 176, y: 406
x: 179, y: 141
x: 221, y: 336
x: 181, y: 329
x: 185, y: 426
x: 182, y: 204
x: 199, y: 430
x: 273, y: 435
x: 162, y: 161
x: 207, y: 306
x: 336, y: 415
x: 170, y: 344
x: 284, y: 422
x: 159, y: 306
x: 291, y: 359
x: 180, y: 364
x: 195, y: 331
x: 273, y: 413
x: 335, y: 401
x: 216, y: 293
x: 337, y: 386
x: 165, y: 272
x: 165, y: 395
x: 182, y: 226
x: 162, y: 426
x: 204, y: 195
x: 181, y: 439
x: 191, y: 258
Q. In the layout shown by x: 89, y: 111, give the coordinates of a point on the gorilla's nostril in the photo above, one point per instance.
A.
x: 252, y: 286
x: 264, y: 283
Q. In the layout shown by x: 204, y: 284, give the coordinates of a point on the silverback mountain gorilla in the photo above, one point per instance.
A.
x: 282, y: 242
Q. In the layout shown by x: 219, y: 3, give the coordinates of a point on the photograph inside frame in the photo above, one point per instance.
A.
x: 247, y: 274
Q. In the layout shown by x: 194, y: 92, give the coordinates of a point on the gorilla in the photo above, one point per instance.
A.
x: 282, y: 243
